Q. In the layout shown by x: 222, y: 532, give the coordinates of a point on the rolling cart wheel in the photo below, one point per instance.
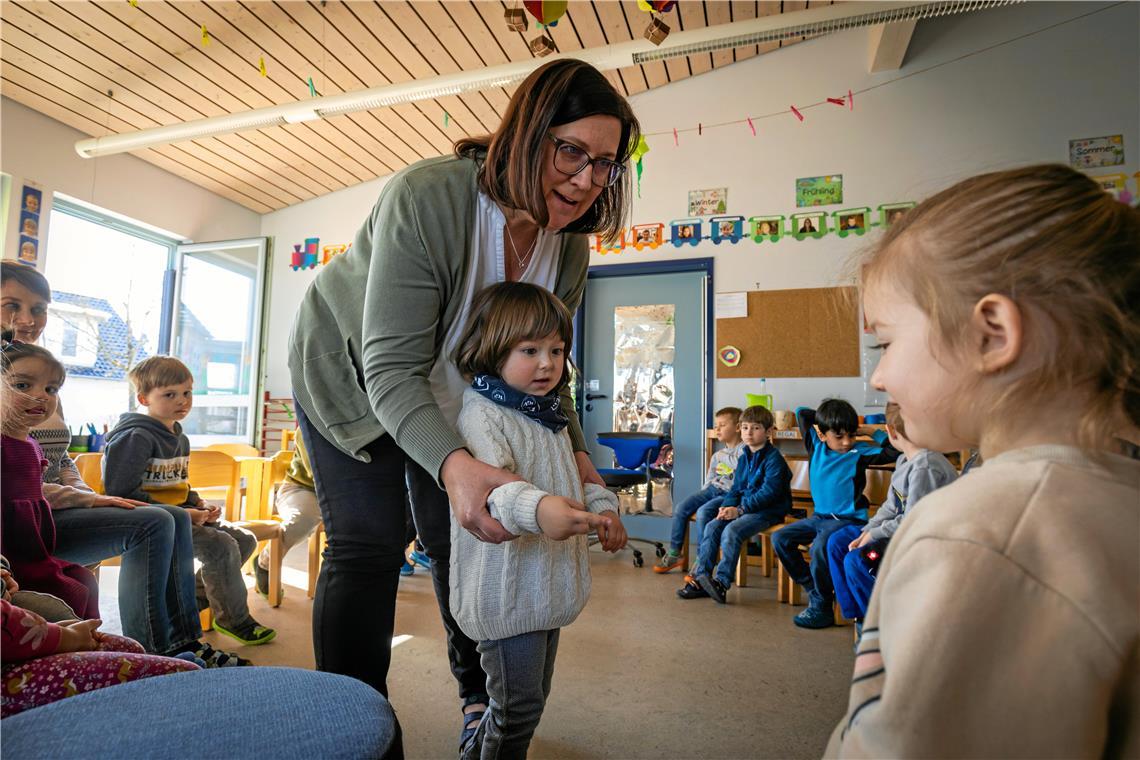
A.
x: 638, y: 560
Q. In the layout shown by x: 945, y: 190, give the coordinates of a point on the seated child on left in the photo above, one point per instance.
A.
x: 31, y: 378
x: 718, y: 481
x: 761, y: 495
x: 148, y: 458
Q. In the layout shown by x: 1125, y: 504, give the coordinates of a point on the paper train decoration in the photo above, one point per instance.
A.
x: 309, y: 254
x: 729, y: 356
x: 810, y: 223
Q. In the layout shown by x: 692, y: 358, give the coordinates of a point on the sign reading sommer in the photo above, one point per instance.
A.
x: 819, y: 191
x: 1096, y: 151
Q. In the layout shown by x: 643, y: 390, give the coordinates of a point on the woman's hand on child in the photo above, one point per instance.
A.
x: 587, y: 473
x: 611, y: 532
x: 102, y: 500
x: 213, y: 512
x: 79, y: 635
x: 863, y: 539
x: 728, y: 513
x: 468, y: 483
x: 560, y: 518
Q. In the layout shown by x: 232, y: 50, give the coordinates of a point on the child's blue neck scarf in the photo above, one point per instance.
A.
x: 546, y: 410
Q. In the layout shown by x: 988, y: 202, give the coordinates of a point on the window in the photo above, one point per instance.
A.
x: 122, y: 292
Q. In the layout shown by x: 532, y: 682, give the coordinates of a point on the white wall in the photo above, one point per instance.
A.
x: 41, y: 150
x: 1015, y: 104
x: 334, y: 218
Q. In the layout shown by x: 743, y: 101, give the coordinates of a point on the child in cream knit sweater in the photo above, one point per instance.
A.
x: 514, y: 597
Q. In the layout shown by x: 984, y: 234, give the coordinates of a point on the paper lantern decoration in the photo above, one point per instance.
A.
x: 541, y: 45
x: 546, y: 12
x: 516, y: 19
x: 729, y: 356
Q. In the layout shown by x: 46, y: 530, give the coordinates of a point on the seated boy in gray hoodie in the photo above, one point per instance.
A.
x: 148, y: 458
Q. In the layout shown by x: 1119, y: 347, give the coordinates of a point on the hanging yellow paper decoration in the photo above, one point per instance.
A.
x: 205, y: 36
x: 635, y: 156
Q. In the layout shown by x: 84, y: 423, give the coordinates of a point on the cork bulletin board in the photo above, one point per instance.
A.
x: 812, y: 332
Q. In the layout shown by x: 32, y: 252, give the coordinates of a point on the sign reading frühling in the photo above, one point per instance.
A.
x: 819, y: 191
x: 1091, y: 152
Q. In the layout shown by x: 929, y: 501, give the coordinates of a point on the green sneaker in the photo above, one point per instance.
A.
x: 251, y: 634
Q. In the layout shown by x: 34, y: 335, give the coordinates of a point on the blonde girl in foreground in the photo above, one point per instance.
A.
x: 1005, y: 622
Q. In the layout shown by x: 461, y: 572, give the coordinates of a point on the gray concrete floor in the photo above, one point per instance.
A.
x: 640, y: 674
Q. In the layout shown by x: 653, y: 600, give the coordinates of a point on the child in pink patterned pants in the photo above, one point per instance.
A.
x: 44, y: 662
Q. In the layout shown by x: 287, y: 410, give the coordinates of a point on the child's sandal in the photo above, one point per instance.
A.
x: 471, y: 720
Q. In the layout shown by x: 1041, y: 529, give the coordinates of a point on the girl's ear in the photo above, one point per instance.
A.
x: 997, y: 326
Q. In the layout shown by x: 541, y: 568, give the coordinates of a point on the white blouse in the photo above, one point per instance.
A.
x: 488, y: 266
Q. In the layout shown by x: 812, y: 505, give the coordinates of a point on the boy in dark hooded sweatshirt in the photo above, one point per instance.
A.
x: 148, y: 458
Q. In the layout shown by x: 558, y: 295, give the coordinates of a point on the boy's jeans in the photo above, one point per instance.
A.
x: 850, y: 574
x: 686, y: 509
x: 519, y: 671
x: 222, y: 549
x: 727, y: 535
x: 156, y: 580
x: 815, y: 530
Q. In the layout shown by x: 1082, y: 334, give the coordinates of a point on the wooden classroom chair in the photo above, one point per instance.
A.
x: 235, y: 449
x: 90, y: 467
x: 217, y: 472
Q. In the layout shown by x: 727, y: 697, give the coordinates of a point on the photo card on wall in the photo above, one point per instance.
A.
x: 768, y: 228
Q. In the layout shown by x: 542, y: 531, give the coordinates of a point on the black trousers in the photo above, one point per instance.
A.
x: 363, y: 506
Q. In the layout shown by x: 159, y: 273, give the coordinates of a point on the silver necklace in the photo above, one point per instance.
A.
x: 525, y: 257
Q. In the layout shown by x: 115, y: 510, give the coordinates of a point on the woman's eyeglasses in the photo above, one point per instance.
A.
x: 570, y: 160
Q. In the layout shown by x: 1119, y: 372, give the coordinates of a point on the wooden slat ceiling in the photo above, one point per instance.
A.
x: 109, y: 66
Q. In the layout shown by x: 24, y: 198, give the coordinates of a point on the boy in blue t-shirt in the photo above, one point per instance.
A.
x: 717, y: 483
x: 838, y: 474
x: 761, y: 495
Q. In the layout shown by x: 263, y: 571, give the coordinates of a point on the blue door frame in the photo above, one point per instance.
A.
x: 655, y: 267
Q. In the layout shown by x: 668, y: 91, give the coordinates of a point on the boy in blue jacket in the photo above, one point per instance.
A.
x: 838, y: 473
x: 761, y: 495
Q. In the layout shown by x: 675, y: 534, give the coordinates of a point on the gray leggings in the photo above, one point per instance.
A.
x: 223, y: 549
x: 519, y: 671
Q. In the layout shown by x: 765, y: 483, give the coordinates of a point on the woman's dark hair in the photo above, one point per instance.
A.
x: 838, y: 415
x: 504, y: 315
x: 557, y: 93
x: 25, y: 275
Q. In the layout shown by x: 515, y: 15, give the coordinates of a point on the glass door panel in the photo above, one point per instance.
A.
x: 217, y: 333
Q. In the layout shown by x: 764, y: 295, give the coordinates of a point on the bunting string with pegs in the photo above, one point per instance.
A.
x: 797, y: 114
x: 850, y: 101
x: 751, y: 125
x: 837, y: 101
x: 676, y: 141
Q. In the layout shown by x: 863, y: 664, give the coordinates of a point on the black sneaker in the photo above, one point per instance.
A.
x: 691, y: 590
x: 714, y: 588
x: 216, y: 658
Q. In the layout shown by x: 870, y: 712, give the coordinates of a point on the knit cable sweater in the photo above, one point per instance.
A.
x: 532, y: 583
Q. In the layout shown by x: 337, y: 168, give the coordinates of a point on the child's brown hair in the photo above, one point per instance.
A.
x: 758, y: 414
x: 504, y: 315
x: 895, y: 418
x: 1067, y: 253
x: 729, y: 411
x: 158, y: 372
